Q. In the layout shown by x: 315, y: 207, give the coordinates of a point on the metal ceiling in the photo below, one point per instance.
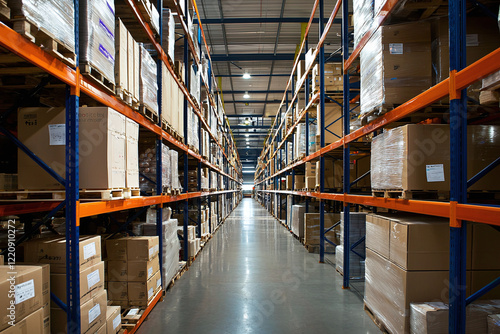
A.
x: 239, y: 31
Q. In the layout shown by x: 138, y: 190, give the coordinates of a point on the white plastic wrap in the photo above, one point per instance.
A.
x: 300, y: 140
x: 494, y: 322
x: 362, y: 17
x: 298, y: 212
x: 148, y: 84
x: 155, y: 19
x: 54, y: 16
x: 194, y: 83
x: 174, y: 163
x: 432, y: 317
x: 193, y: 138
x: 147, y: 167
x: 356, y: 267
x: 166, y: 176
x: 372, y: 74
x: 313, y: 146
x: 387, y: 155
x: 97, y: 36
x: 168, y: 34
x: 170, y: 251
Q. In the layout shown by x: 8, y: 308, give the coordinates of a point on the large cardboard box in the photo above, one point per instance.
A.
x: 113, y: 319
x: 121, y: 59
x: 141, y: 271
x: 142, y: 248
x: 480, y: 278
x: 333, y: 77
x: 45, y: 290
x: 117, y: 270
x: 132, y: 154
x: 485, y: 247
x: 300, y: 182
x: 378, y: 234
x: 117, y: 291
x: 329, y: 174
x: 389, y: 290
x: 310, y: 169
x: 333, y: 122
x: 91, y: 282
x: 102, y: 138
x: 395, y: 65
x: 92, y: 315
x: 298, y: 220
x: 34, y: 323
x: 141, y: 293
x: 415, y: 157
x: 28, y: 297
x: 289, y: 182
x: 53, y: 252
x: 116, y: 249
x: 310, y: 182
x: 312, y: 230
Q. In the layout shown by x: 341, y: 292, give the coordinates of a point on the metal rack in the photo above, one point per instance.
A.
x: 457, y: 209
x: 75, y: 210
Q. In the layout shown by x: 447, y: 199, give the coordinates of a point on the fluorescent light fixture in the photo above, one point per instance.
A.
x: 246, y: 95
x: 246, y: 75
x: 247, y: 135
x: 248, y: 146
x: 248, y: 172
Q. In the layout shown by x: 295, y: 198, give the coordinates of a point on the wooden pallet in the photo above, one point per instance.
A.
x: 127, y: 97
x: 32, y: 195
x: 378, y: 322
x: 44, y: 39
x: 410, y: 194
x: 148, y: 113
x: 182, y: 269
x: 131, y: 192
x: 104, y: 194
x: 96, y: 76
x: 376, y: 112
x: 4, y: 11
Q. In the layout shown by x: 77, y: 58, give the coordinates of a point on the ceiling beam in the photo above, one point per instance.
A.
x: 238, y: 20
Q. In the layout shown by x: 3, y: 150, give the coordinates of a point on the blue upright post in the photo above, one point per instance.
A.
x: 346, y: 153
x: 322, y: 136
x: 72, y: 186
x: 159, y: 183
x: 186, y: 129
x: 458, y: 168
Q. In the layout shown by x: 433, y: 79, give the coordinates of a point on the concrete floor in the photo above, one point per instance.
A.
x: 254, y: 277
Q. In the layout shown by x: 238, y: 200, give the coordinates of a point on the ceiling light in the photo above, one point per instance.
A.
x: 247, y: 135
x: 246, y: 96
x: 246, y: 75
x: 248, y: 146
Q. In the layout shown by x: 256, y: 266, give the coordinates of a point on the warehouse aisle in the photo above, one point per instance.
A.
x: 254, y: 277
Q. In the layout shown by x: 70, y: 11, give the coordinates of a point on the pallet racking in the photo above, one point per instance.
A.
x: 76, y: 84
x: 456, y: 209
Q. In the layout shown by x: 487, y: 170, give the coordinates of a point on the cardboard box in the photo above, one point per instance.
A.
x: 53, y: 252
x: 298, y: 212
x: 389, y: 290
x: 310, y: 182
x: 28, y: 298
x: 117, y: 270
x: 142, y: 248
x: 102, y: 138
x: 480, y: 278
x: 300, y: 182
x: 34, y: 323
x: 378, y: 232
x: 116, y: 249
x: 494, y: 324
x: 132, y: 154
x: 121, y: 59
x: 329, y: 174
x: 45, y: 290
x: 117, y: 291
x: 311, y: 228
x: 289, y: 182
x: 141, y: 293
x: 136, y: 67
x: 485, y: 247
x: 91, y: 282
x: 130, y: 66
x: 113, y: 319
x: 141, y: 271
x: 416, y: 157
x: 310, y: 169
x: 92, y: 315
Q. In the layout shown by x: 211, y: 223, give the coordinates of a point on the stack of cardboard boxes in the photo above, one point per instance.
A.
x: 298, y: 220
x: 133, y: 270
x: 93, y: 296
x: 357, y: 232
x: 194, y: 243
x: 27, y: 310
x: 310, y: 176
x: 312, y: 228
x: 126, y: 65
x: 407, y: 261
x: 334, y: 80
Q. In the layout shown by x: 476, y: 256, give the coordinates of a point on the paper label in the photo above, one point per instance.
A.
x: 93, y: 278
x: 396, y: 48
x: 435, y: 173
x: 57, y: 134
x: 158, y: 283
x: 133, y: 311
x: 471, y: 40
x: 94, y: 312
x: 150, y: 272
x: 89, y: 250
x: 151, y: 252
x: 117, y: 321
x: 157, y: 248
x: 25, y: 291
x: 150, y: 293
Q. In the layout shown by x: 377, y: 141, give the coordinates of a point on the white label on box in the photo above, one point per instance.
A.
x: 117, y: 321
x: 94, y: 312
x: 93, y: 278
x: 471, y: 40
x: 150, y: 293
x: 133, y: 311
x: 89, y: 250
x: 151, y: 251
x: 57, y: 134
x: 157, y: 248
x: 150, y: 272
x: 158, y: 283
x: 396, y: 48
x: 25, y: 291
x: 435, y: 173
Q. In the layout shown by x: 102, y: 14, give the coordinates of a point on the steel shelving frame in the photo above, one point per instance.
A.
x: 456, y: 210
x: 77, y: 84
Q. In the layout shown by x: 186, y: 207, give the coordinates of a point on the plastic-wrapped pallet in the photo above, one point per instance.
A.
x: 168, y: 34
x: 494, y: 321
x: 362, y: 17
x: 147, y: 168
x: 432, y: 317
x: 56, y: 17
x: 357, y: 231
x: 155, y: 19
x: 166, y: 176
x: 148, y: 87
x: 300, y: 140
x: 195, y: 83
x: 298, y: 220
x: 356, y: 267
x: 174, y: 170
x: 193, y: 138
x: 170, y: 251
x: 313, y: 146
x: 97, y: 36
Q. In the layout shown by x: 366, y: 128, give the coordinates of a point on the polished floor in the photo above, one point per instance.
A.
x: 254, y: 277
